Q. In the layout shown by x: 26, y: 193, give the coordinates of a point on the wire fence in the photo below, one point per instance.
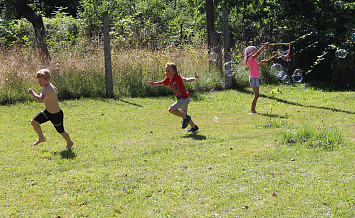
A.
x: 227, y: 45
x: 78, y: 65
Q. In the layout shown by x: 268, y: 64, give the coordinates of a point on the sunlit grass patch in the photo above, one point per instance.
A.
x: 310, y: 137
x: 271, y: 124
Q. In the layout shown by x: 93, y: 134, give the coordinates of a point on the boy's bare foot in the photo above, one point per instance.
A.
x: 39, y: 141
x: 69, y: 145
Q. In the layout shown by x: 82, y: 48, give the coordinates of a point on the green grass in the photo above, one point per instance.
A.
x: 132, y: 159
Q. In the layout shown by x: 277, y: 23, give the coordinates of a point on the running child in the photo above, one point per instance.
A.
x: 176, y: 82
x: 254, y: 79
x: 52, y: 111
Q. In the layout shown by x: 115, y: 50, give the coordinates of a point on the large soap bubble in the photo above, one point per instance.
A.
x: 276, y: 68
x: 281, y: 74
x: 341, y: 53
x: 297, y: 76
x: 213, y: 56
x: 285, y: 78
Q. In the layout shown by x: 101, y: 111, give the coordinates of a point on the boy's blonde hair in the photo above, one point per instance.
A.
x: 43, y: 73
x: 173, y: 66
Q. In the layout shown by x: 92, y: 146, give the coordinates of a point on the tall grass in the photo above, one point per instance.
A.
x: 79, y: 72
x: 310, y: 137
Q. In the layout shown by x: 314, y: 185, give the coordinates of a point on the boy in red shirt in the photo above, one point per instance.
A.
x: 176, y: 82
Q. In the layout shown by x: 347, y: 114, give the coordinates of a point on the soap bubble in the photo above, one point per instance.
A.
x: 276, y: 68
x: 229, y: 63
x: 341, y: 53
x: 228, y: 72
x: 228, y: 68
x: 211, y: 92
x: 213, y: 56
x: 285, y: 79
x: 338, y: 5
x: 282, y: 52
x: 297, y: 76
x: 281, y: 74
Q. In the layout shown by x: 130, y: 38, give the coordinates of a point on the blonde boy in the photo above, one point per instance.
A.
x: 176, y: 82
x: 52, y: 111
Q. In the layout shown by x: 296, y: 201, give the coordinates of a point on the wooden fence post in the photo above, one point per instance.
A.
x: 227, y: 66
x: 210, y: 21
x: 107, y: 54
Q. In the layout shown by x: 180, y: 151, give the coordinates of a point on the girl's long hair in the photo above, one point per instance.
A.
x: 247, y: 53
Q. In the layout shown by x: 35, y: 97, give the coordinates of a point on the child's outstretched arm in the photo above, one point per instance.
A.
x: 191, y: 79
x: 261, y: 49
x: 262, y: 62
x: 39, y: 98
x: 159, y: 83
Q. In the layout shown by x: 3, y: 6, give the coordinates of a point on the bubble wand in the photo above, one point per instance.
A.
x: 283, y: 56
x: 280, y: 43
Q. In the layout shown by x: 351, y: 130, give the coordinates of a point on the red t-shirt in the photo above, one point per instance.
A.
x: 177, y: 85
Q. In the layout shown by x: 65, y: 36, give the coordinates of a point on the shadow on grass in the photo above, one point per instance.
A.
x: 67, y: 154
x: 131, y: 103
x: 297, y: 104
x: 195, y: 136
x: 273, y: 115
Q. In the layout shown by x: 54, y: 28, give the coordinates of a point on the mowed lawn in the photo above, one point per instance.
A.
x: 132, y: 159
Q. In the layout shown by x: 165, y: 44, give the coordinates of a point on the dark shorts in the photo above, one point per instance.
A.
x: 56, y: 119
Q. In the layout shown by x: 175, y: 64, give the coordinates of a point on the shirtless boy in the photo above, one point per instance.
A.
x: 52, y: 111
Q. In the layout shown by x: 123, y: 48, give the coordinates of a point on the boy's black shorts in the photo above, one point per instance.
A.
x: 56, y: 119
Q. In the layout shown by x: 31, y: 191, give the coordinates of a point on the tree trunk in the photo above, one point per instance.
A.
x: 36, y: 20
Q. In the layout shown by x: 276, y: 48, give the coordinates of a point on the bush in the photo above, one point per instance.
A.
x: 343, y: 69
x: 62, y: 32
x: 15, y: 32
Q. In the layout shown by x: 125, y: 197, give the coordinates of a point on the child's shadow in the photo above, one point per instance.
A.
x: 195, y: 136
x: 67, y: 154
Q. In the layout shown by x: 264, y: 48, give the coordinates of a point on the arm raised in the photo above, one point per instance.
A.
x: 260, y: 50
x: 159, y: 83
x: 191, y: 79
x: 39, y: 98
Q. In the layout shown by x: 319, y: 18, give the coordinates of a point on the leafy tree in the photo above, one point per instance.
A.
x: 21, y: 8
x: 47, y: 7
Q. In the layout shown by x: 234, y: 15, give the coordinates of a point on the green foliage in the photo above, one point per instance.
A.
x: 63, y: 31
x: 343, y: 68
x: 312, y: 27
x: 15, y: 32
x: 47, y: 7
